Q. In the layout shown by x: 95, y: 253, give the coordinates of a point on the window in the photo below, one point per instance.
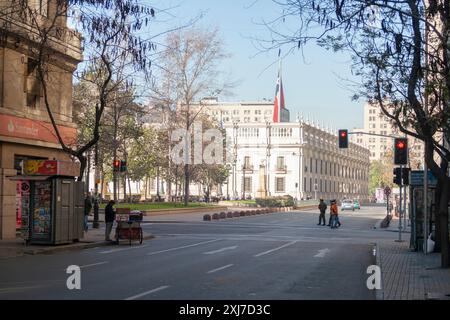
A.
x: 246, y: 162
x: 248, y: 184
x: 279, y: 184
x: 43, y: 7
x: 32, y: 85
x: 280, y: 163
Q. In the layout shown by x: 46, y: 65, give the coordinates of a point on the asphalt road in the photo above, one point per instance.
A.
x: 276, y: 256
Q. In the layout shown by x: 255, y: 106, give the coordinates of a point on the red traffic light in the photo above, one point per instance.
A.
x: 116, y: 165
x: 343, y: 138
x: 401, y: 145
x: 401, y: 151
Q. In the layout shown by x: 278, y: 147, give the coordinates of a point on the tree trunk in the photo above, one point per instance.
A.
x: 88, y: 171
x: 83, y: 162
x: 186, y: 185
x: 437, y: 199
x: 146, y: 188
x: 443, y: 217
x: 102, y: 185
x: 124, y: 188
x: 129, y: 189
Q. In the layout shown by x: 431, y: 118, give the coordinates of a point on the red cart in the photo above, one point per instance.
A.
x: 129, y: 225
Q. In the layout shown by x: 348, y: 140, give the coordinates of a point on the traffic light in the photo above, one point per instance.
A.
x: 343, y: 138
x: 398, y: 176
x: 401, y: 151
x: 116, y: 165
x: 405, y: 176
x: 123, y: 166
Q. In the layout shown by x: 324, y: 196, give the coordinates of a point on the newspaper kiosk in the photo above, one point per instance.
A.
x: 50, y: 201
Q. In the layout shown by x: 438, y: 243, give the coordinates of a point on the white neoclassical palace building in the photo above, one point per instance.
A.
x: 293, y: 158
x: 299, y: 158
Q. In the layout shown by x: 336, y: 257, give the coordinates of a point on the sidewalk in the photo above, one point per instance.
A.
x: 409, y: 275
x: 93, y: 238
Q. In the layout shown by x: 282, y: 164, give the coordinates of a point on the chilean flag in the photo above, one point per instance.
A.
x: 279, y: 98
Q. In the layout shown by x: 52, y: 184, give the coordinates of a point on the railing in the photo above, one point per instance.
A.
x: 281, y: 169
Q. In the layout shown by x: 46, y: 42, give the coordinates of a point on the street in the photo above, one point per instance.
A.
x: 276, y: 256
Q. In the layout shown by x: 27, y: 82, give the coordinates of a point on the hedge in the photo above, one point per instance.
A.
x: 271, y: 202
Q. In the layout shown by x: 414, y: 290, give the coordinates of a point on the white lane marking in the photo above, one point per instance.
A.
x: 146, y: 293
x: 94, y: 264
x: 221, y: 268
x: 91, y: 265
x: 183, y: 247
x: 278, y: 248
x: 220, y: 250
x: 124, y: 249
x: 322, y: 253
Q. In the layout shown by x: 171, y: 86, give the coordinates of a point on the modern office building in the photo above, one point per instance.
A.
x: 377, y: 123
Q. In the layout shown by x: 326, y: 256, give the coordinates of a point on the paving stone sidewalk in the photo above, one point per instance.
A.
x: 409, y: 275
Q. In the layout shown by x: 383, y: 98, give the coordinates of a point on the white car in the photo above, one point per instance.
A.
x: 347, y: 205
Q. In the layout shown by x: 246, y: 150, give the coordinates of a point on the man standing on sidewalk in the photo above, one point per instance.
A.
x: 110, y: 216
x: 323, y: 208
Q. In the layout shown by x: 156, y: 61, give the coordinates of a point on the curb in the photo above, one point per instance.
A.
x: 378, y: 224
x: 73, y: 247
x: 379, y: 294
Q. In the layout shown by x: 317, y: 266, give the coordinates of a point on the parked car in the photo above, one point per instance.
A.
x: 347, y: 205
x: 356, y: 204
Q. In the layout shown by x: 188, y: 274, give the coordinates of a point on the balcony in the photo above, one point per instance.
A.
x: 247, y: 169
x: 281, y: 169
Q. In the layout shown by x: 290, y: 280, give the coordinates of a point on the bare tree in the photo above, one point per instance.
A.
x: 110, y: 32
x: 401, y: 51
x: 190, y: 72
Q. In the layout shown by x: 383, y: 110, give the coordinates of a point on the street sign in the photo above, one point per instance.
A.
x: 416, y: 178
x: 387, y: 191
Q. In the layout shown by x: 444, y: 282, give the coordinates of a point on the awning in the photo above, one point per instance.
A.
x: 35, y: 178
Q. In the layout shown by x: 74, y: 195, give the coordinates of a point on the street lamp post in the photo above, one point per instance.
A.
x: 243, y: 181
x: 315, y: 191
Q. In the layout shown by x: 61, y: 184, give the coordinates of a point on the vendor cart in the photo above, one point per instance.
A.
x: 129, y: 226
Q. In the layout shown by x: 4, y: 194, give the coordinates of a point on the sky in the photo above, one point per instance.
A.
x: 312, y: 81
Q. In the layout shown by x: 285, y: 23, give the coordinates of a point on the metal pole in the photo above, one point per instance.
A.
x: 387, y: 206
x: 425, y: 207
x: 400, y: 212
x: 425, y: 166
x: 96, y: 197
x: 405, y: 195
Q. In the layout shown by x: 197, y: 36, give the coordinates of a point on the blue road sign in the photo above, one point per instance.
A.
x: 416, y: 178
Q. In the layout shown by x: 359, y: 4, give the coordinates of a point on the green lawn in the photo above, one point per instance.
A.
x: 160, y: 205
